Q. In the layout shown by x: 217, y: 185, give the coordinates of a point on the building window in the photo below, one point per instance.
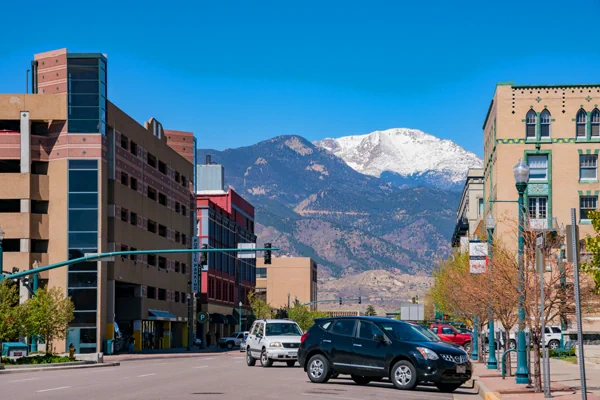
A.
x: 133, y: 256
x: 133, y: 218
x: 538, y: 167
x: 177, y: 177
x: 479, y: 207
x: 133, y: 183
x: 588, y: 167
x: 177, y: 236
x: 124, y: 216
x: 531, y: 120
x: 162, y: 167
x: 162, y: 294
x: 133, y: 148
x: 124, y: 179
x: 151, y: 226
x: 162, y: 230
x: 162, y: 199
x: 177, y: 207
x: 183, y: 268
x: 596, y: 123
x: 124, y: 142
x: 545, y: 124
x: 261, y: 272
x: 183, y: 181
x: 176, y: 297
x: 151, y: 193
x: 151, y: 292
x: 152, y: 260
x: 151, y: 160
x: 177, y: 266
x: 538, y: 207
x: 587, y: 204
x: 183, y: 210
x: 124, y: 247
x: 162, y: 262
x: 581, y: 123
x: 183, y: 239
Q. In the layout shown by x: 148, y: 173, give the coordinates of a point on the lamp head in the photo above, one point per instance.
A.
x: 1, y: 234
x: 562, y: 231
x: 521, y: 172
x: 36, y: 264
x: 490, y: 222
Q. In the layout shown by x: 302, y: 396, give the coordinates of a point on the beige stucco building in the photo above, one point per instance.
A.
x: 470, y: 209
x: 81, y: 176
x: 286, y: 280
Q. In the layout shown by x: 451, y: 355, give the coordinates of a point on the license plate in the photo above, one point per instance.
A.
x: 461, y: 369
x: 293, y: 354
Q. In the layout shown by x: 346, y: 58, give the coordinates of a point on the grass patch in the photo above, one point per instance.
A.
x: 38, y: 359
x: 570, y: 359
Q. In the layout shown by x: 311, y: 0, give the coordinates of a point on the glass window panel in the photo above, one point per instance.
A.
x: 84, y: 112
x: 531, y: 131
x: 82, y: 61
x: 588, y: 173
x: 83, y: 299
x: 83, y: 164
x: 84, y: 100
x: 83, y: 240
x: 580, y: 130
x: 84, y: 266
x: 587, y: 204
x: 91, y: 87
x: 87, y: 335
x: 83, y: 200
x: 83, y: 181
x: 545, y: 130
x: 102, y: 129
x: 83, y: 221
x: 84, y: 126
x: 595, y: 130
x: 84, y: 318
x: 344, y: 327
x: 537, y: 161
x: 581, y: 117
x: 83, y: 279
x: 83, y: 72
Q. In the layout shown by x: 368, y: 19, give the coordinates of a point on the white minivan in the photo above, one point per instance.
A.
x: 273, y: 340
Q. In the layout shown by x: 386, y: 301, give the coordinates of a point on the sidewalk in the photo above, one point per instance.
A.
x: 564, y: 382
x: 170, y: 353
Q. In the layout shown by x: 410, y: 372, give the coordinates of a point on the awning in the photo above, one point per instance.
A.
x: 217, y: 318
x: 231, y: 319
x: 161, y: 315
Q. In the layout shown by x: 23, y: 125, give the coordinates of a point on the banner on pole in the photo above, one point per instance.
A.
x: 196, y: 266
x: 478, y: 257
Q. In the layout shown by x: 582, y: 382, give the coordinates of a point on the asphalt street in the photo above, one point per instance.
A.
x: 221, y: 377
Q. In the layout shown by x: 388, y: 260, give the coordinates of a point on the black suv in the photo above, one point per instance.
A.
x: 371, y: 348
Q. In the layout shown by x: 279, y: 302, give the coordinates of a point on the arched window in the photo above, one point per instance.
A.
x: 530, y: 119
x: 545, y: 124
x: 581, y: 123
x: 596, y: 123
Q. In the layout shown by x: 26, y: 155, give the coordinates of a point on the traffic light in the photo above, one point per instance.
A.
x: 267, y: 254
x: 204, y: 255
x: 340, y: 301
x: 359, y: 300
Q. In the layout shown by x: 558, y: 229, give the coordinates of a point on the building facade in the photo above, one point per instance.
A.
x: 81, y: 176
x: 286, y: 280
x: 470, y: 209
x: 225, y: 219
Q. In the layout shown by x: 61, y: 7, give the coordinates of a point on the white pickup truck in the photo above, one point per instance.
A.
x: 552, y: 337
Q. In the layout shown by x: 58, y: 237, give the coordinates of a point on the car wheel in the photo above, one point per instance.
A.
x: 230, y: 345
x: 318, y: 369
x: 291, y: 363
x: 513, y: 344
x: 264, y: 359
x: 448, y: 387
x: 249, y: 359
x: 404, y: 375
x: 360, y: 380
x: 554, y: 344
x: 467, y: 347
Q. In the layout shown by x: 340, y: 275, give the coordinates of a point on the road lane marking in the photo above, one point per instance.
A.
x: 238, y: 358
x: 162, y: 363
x: 202, y: 366
x: 141, y: 376
x: 47, y: 390
x: 23, y: 380
x: 206, y: 359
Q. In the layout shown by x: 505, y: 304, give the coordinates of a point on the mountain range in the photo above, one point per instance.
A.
x: 311, y: 202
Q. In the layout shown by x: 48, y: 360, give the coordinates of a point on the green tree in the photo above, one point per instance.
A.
x: 260, y: 308
x: 11, y: 312
x: 48, y: 315
x: 370, y: 311
x: 303, y: 316
x: 592, y: 244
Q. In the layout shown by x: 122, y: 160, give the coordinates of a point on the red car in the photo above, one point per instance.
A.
x: 449, y: 334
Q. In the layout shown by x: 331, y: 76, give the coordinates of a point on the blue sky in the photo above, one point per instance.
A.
x: 236, y: 72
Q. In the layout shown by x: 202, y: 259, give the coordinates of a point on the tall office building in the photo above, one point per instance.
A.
x: 81, y: 176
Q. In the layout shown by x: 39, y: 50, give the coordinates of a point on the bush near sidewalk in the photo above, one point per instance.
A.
x: 35, y: 360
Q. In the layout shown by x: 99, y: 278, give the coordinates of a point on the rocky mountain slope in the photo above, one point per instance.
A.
x: 405, y: 157
x: 309, y: 202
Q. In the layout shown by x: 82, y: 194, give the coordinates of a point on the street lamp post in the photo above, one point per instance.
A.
x: 240, y: 315
x: 34, y: 342
x: 492, y: 363
x: 562, y: 233
x: 521, y: 173
x: 475, y: 344
x: 1, y: 251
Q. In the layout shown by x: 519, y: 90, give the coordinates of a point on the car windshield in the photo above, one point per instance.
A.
x: 283, y: 329
x: 428, y: 333
x: 406, y: 332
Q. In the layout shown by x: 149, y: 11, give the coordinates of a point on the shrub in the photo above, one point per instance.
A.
x: 34, y: 360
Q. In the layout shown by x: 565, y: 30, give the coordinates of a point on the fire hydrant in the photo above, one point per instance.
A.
x: 71, y: 351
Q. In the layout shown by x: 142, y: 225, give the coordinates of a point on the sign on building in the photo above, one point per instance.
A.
x: 246, y: 254
x: 478, y: 256
x: 412, y: 312
x: 196, y: 266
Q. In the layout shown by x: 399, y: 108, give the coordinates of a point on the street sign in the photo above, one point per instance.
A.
x: 195, y: 266
x: 246, y: 254
x: 539, y: 242
x: 478, y: 254
x: 202, y: 317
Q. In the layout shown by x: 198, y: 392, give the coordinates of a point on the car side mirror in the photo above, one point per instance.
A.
x: 379, y: 338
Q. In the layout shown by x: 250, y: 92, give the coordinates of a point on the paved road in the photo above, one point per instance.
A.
x: 221, y: 377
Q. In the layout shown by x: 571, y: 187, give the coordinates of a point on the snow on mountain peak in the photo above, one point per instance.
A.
x: 407, y: 152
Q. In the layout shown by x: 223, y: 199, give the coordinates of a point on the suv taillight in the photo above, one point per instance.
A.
x: 303, y: 337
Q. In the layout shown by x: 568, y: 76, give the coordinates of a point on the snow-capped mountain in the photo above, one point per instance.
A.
x: 405, y: 157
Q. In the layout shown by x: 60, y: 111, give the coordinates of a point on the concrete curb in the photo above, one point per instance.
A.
x: 484, y: 392
x: 57, y: 368
x: 172, y: 355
